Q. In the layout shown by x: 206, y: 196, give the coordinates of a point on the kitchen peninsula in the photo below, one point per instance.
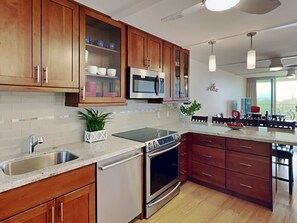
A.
x: 207, y: 137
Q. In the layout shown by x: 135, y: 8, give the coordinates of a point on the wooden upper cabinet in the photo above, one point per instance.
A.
x: 19, y: 25
x: 102, y: 47
x: 181, y: 74
x: 60, y: 35
x: 168, y: 69
x: 137, y: 48
x: 39, y: 43
x: 154, y: 50
x: 144, y: 50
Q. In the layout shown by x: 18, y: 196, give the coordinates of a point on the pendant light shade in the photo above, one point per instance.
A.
x: 219, y: 5
x: 212, y: 59
x: 291, y: 73
x: 251, y: 54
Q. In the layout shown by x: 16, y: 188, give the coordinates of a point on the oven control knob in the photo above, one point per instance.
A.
x: 150, y: 145
x: 156, y: 145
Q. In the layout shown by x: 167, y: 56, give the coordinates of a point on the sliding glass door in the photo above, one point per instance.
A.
x: 265, y: 95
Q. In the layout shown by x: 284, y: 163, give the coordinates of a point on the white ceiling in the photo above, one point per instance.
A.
x: 228, y: 28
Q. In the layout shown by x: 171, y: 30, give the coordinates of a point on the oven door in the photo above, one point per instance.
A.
x: 145, y: 84
x: 161, y: 170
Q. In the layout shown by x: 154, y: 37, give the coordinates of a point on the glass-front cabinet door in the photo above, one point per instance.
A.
x: 181, y: 74
x: 102, y: 59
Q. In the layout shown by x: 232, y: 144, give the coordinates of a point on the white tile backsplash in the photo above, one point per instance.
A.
x: 44, y: 114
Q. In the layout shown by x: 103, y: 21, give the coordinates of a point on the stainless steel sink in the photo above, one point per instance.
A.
x: 36, y: 162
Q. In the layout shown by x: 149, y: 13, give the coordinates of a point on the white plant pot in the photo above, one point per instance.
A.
x: 95, y: 136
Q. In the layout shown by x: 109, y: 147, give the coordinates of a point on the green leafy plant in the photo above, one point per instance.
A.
x: 190, y: 108
x: 95, y: 121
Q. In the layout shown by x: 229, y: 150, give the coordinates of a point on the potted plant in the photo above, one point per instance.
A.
x: 95, y: 123
x: 188, y: 109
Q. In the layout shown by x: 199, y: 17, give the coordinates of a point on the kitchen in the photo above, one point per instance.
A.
x: 44, y: 114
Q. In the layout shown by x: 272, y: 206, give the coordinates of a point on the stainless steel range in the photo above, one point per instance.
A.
x: 161, y: 165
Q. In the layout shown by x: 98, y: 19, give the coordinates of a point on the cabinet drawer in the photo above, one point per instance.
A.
x: 258, y: 166
x: 183, y: 156
x: 253, y: 187
x: 207, y: 155
x: 207, y: 140
x: 209, y: 174
x: 183, y: 172
x: 183, y: 138
x: 247, y: 146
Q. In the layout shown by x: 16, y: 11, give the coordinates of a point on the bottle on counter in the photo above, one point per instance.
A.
x: 266, y: 115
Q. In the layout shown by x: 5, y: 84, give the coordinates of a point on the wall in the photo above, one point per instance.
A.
x: 230, y: 87
x: 44, y: 114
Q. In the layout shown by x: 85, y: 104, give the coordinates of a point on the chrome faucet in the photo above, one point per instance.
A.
x: 33, y: 142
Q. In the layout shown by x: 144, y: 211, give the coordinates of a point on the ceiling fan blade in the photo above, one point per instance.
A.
x: 257, y: 6
x: 182, y: 13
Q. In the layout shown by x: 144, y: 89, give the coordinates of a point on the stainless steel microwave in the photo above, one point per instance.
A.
x: 145, y: 84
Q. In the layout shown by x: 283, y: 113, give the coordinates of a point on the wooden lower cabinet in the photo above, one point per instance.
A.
x: 77, y: 206
x: 250, y: 186
x: 209, y: 174
x: 207, y: 159
x: 239, y: 167
x: 183, y: 159
x: 39, y: 214
x: 67, y: 197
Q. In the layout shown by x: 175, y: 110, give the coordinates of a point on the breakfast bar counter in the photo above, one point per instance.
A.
x: 260, y: 134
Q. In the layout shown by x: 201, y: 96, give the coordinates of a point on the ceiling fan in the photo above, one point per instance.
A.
x: 249, y: 6
x: 276, y: 64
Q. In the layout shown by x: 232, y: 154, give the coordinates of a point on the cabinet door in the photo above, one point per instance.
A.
x: 154, y: 51
x: 137, y: 48
x: 19, y: 38
x: 103, y: 47
x: 168, y: 69
x: 60, y: 27
x: 186, y: 67
x: 178, y: 74
x: 77, y: 206
x: 40, y: 214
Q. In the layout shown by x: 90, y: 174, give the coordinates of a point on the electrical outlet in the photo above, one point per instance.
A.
x: 167, y: 113
x: 158, y: 114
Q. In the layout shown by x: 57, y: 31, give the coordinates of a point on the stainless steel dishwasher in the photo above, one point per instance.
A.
x: 119, y: 188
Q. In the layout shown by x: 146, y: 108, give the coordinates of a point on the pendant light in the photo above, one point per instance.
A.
x: 291, y: 73
x: 212, y: 58
x: 251, y: 54
x: 219, y: 5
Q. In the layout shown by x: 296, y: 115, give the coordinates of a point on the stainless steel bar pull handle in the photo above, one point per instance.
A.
x: 62, y: 211
x: 53, y: 214
x: 246, y: 186
x: 163, y: 151
x: 167, y: 195
x: 206, y: 174
x: 37, y: 73
x: 119, y: 162
x: 246, y: 164
x: 45, y: 72
x: 245, y: 147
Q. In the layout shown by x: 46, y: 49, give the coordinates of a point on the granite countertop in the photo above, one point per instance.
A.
x: 261, y: 134
x: 113, y: 146
x: 88, y: 154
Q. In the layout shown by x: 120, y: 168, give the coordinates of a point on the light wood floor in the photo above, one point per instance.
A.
x: 198, y: 204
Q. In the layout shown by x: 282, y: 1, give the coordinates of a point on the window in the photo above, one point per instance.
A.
x: 286, y: 97
x: 277, y: 96
x: 265, y: 95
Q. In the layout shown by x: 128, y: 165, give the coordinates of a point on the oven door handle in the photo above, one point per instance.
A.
x: 163, y: 151
x: 157, y: 85
x: 156, y: 202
